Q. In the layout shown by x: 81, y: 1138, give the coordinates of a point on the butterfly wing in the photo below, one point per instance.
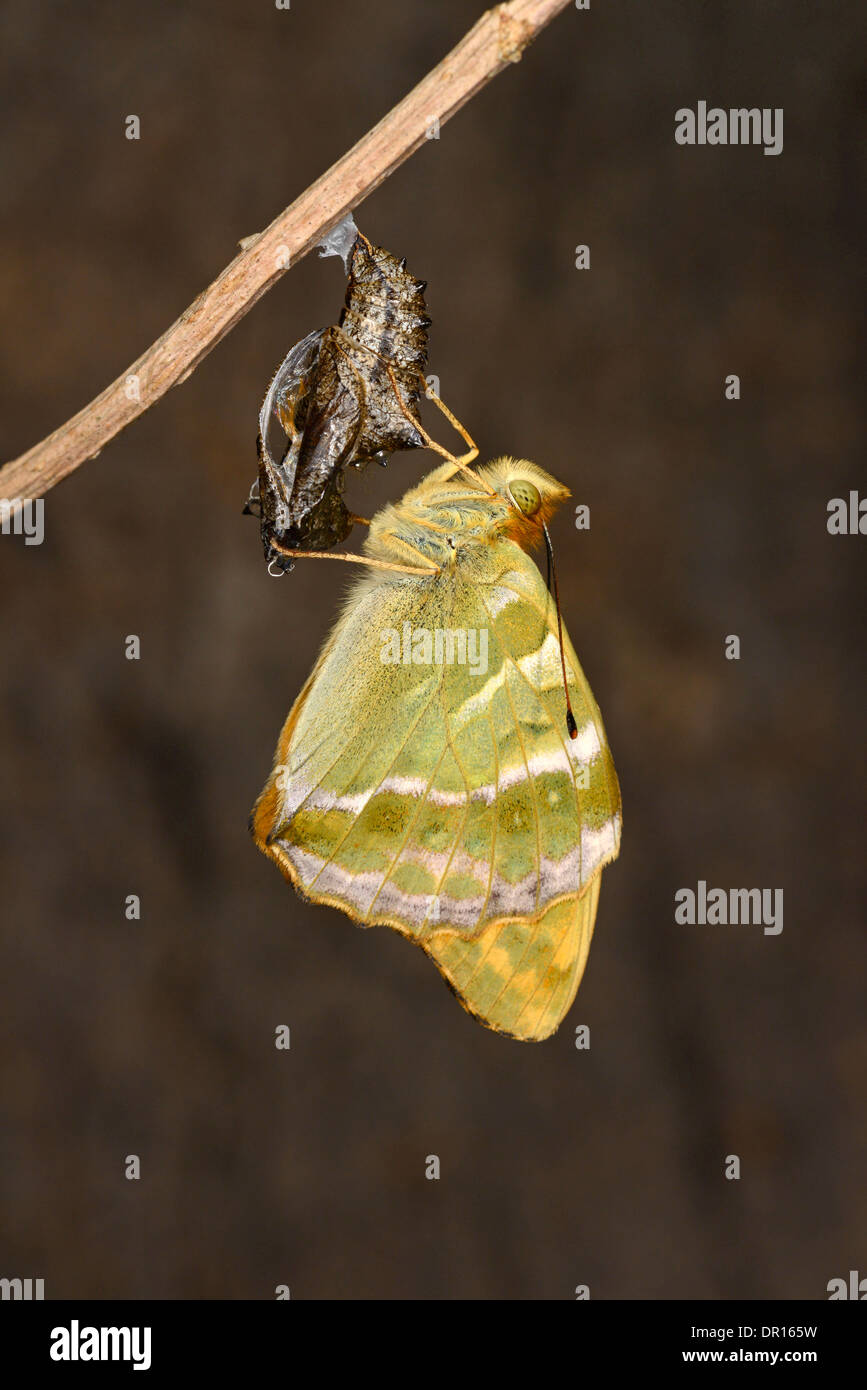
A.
x: 445, y: 799
x: 521, y: 977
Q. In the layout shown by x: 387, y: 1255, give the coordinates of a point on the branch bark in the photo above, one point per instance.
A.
x: 497, y: 39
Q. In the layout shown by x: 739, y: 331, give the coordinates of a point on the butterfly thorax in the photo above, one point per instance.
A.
x: 452, y: 522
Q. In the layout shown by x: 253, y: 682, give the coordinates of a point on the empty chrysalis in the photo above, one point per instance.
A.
x: 333, y: 405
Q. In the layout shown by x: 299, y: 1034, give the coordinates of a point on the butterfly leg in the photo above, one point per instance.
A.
x: 473, y: 452
x: 459, y: 465
x: 351, y: 557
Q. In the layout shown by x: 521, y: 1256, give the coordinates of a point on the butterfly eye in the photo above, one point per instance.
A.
x: 525, y: 496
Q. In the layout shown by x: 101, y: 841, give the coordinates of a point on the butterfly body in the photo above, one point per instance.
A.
x: 425, y: 778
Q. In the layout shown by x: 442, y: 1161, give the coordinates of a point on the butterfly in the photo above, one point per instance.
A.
x: 427, y: 778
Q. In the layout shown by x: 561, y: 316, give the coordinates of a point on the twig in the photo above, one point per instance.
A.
x: 497, y: 39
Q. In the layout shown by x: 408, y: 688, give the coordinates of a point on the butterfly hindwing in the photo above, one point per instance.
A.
x: 520, y: 978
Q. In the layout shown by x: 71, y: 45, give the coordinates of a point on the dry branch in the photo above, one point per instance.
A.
x: 497, y: 39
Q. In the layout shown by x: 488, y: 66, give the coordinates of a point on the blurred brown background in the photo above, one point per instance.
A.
x: 559, y: 1167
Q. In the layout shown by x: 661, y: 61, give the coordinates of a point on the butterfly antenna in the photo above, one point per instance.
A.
x: 552, y: 574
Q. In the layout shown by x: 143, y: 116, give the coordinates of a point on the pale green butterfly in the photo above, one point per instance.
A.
x: 426, y: 779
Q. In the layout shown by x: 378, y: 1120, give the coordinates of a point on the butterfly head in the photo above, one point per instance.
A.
x: 530, y: 497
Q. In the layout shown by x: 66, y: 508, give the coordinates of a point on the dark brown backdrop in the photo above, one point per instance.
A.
x: 708, y: 517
